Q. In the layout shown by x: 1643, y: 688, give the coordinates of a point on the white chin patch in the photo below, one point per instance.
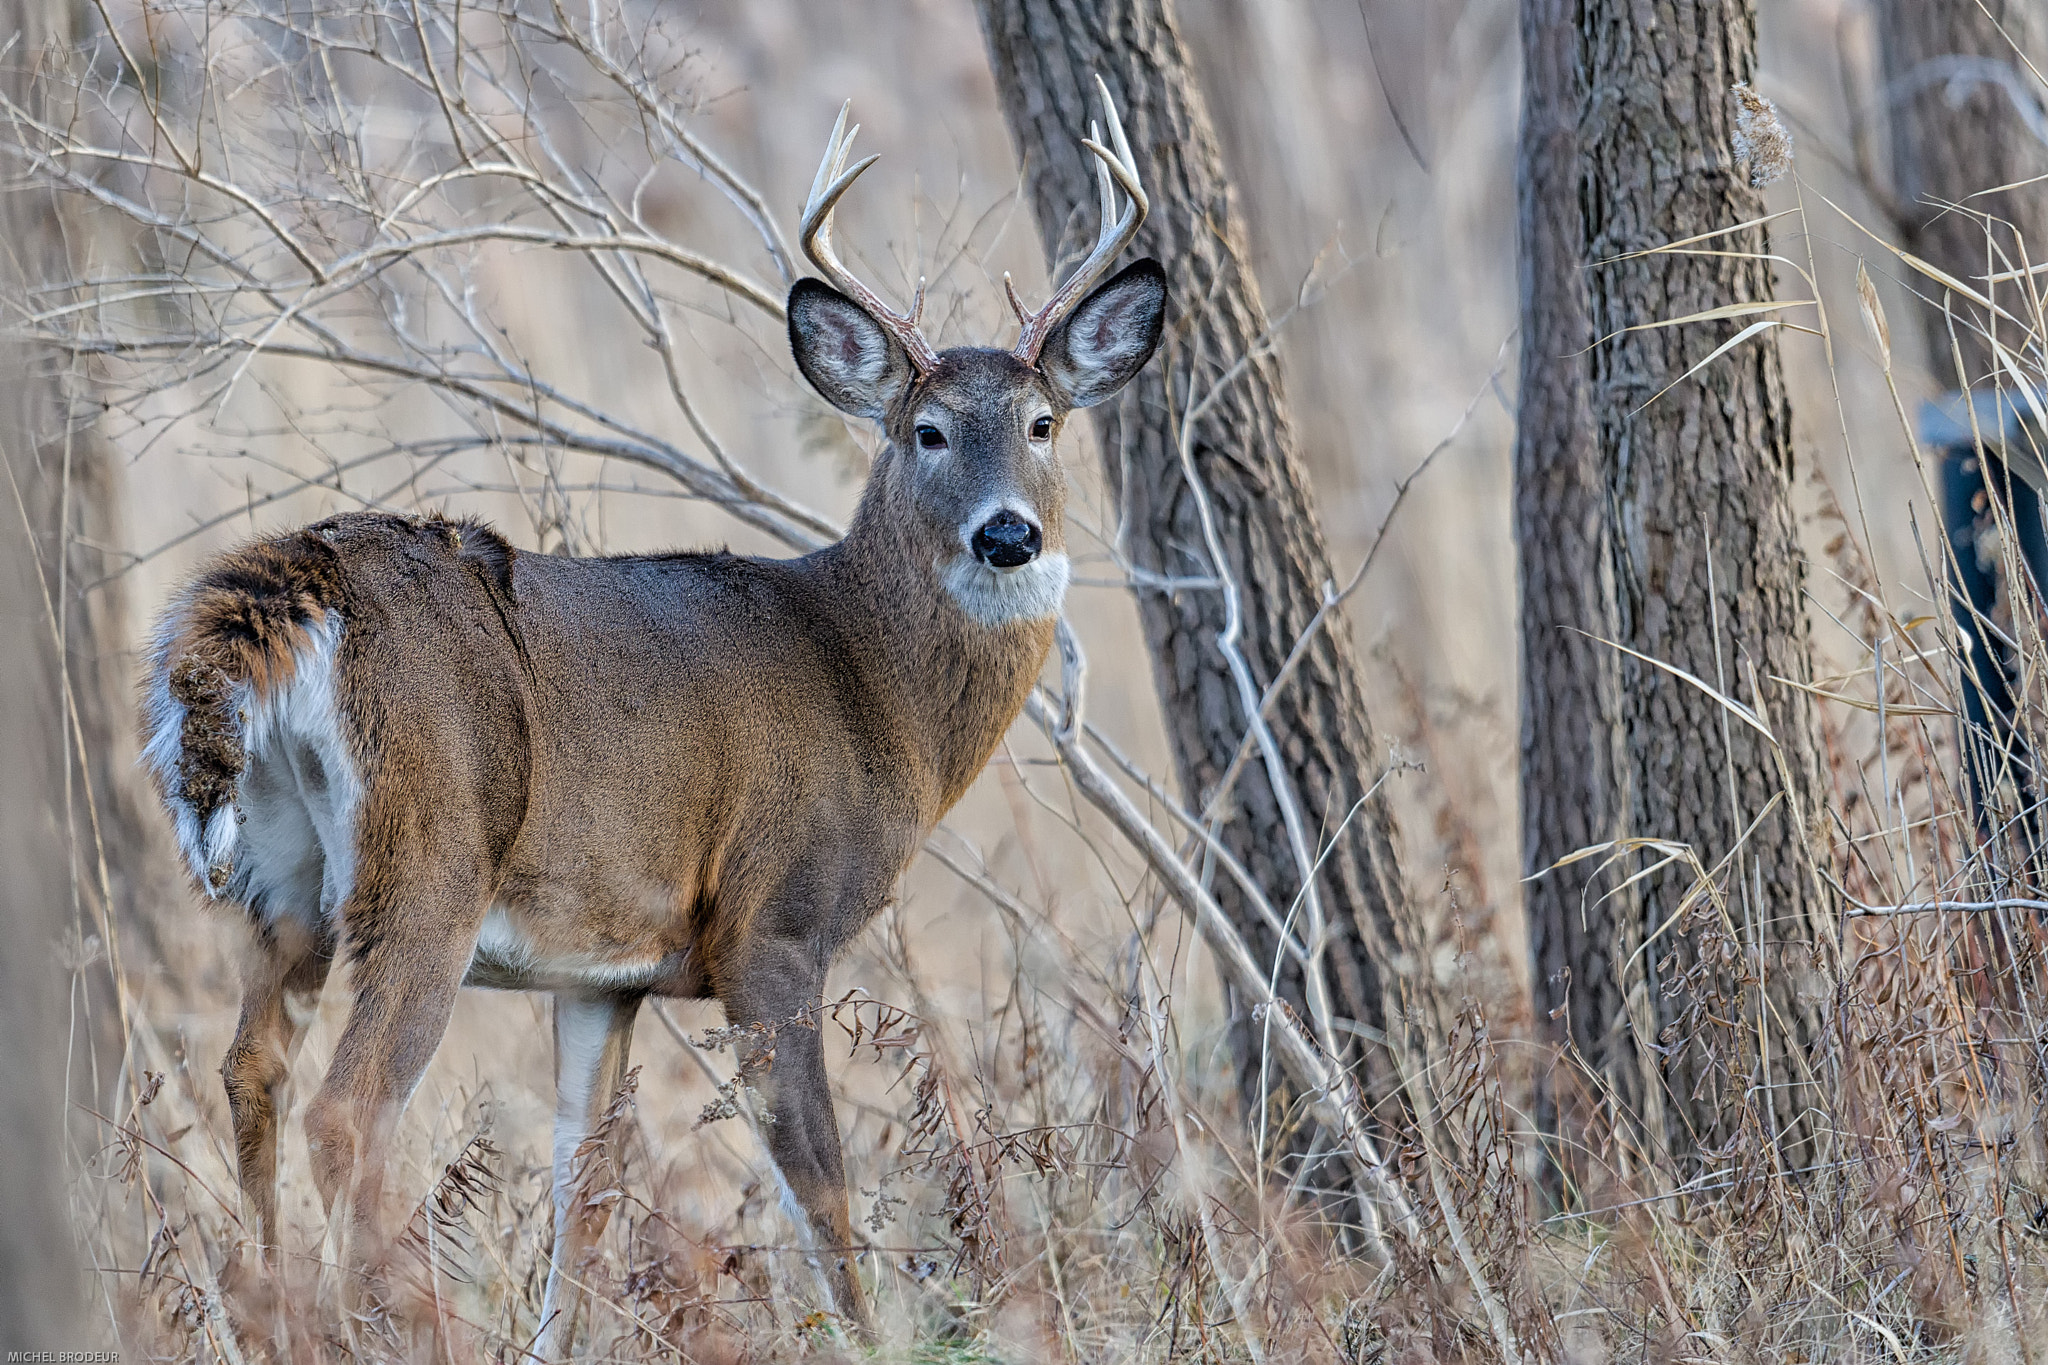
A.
x: 994, y: 597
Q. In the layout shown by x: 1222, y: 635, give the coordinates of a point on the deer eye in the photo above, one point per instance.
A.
x: 931, y: 438
x: 1041, y: 430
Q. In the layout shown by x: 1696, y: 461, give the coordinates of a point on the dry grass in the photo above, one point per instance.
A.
x: 1043, y: 1133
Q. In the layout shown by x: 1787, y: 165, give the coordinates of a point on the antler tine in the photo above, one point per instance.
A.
x: 836, y: 148
x: 1115, y: 167
x: 1105, y: 190
x: 827, y: 188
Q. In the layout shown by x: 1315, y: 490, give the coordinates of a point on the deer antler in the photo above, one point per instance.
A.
x: 831, y: 182
x: 1117, y: 166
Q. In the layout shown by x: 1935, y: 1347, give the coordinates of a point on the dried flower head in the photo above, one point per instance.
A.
x: 1761, y: 138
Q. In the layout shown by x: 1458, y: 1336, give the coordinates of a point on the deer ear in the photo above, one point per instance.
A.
x: 1108, y: 337
x: 845, y: 354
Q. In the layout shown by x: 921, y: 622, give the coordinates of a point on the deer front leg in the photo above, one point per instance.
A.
x: 593, y: 1035
x: 777, y: 994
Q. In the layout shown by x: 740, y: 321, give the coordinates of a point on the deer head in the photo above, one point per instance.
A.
x: 971, y: 475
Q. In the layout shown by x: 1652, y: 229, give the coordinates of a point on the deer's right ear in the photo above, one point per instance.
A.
x: 846, y: 354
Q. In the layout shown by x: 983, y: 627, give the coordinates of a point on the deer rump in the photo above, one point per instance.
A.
x: 331, y: 710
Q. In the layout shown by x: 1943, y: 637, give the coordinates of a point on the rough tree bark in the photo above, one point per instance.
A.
x: 1707, y: 572
x: 1955, y: 133
x: 1571, y: 763
x: 1045, y: 54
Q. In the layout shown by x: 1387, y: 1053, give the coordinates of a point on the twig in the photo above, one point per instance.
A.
x: 1334, y: 601
x: 1857, y: 911
x: 1331, y: 1091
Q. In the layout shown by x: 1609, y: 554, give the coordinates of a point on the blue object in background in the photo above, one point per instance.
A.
x: 1991, y: 744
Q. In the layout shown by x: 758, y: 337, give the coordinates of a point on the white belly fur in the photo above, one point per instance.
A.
x: 507, y: 959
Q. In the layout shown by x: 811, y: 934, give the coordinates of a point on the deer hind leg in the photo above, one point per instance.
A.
x: 779, y: 991
x: 419, y: 940
x: 593, y: 1036
x: 281, y: 989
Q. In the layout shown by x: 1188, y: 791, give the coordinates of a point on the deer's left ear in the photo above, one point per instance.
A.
x: 1108, y: 337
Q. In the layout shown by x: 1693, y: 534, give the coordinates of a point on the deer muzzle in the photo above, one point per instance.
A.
x: 1007, y: 541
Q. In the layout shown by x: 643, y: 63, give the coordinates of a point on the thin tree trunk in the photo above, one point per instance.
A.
x: 1045, y: 54
x: 1707, y: 573
x: 86, y: 873
x: 1571, y: 763
x: 1955, y: 133
x: 120, y: 850
x: 41, y: 1271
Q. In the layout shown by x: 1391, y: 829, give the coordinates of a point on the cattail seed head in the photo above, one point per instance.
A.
x: 1761, y: 138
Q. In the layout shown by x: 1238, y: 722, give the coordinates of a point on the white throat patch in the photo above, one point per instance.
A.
x: 995, y: 597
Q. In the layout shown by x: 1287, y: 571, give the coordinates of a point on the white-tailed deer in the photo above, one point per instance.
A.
x: 691, y: 775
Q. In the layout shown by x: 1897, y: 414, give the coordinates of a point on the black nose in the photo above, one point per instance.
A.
x: 1006, y: 540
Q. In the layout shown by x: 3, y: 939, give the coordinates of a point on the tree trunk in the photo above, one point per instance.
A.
x: 40, y: 1279
x: 41, y: 1272
x: 1045, y: 54
x: 1955, y: 133
x: 1707, y: 572
x: 1571, y: 762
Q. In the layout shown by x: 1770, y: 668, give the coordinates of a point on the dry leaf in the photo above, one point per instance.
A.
x: 1873, y: 315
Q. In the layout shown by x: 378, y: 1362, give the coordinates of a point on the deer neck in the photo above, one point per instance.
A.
x: 958, y: 683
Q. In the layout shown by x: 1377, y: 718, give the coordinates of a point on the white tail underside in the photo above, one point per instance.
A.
x: 289, y: 834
